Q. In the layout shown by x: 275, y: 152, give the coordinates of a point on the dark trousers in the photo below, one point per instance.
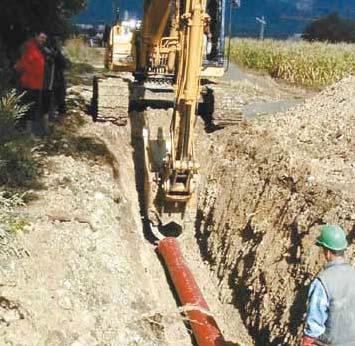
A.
x: 38, y: 102
x: 59, y: 96
x: 32, y: 99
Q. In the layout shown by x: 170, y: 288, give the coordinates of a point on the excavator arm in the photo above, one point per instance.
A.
x: 181, y: 166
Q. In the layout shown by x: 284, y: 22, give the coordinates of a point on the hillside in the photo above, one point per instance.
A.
x: 284, y: 17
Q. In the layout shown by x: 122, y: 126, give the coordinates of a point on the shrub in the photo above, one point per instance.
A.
x: 18, y: 166
x: 11, y: 111
x: 10, y: 221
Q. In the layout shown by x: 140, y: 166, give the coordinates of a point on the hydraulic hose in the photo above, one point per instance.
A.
x: 204, y: 326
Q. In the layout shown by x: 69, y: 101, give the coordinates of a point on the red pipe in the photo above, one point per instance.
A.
x: 203, y: 325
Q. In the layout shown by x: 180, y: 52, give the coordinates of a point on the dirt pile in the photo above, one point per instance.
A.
x: 269, y: 184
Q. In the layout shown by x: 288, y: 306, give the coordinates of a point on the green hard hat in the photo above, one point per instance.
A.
x: 332, y: 237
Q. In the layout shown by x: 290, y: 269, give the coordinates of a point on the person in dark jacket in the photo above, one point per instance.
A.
x: 106, y: 36
x: 48, y: 82
x: 31, y: 67
x: 61, y: 64
x: 54, y: 81
x: 331, y: 307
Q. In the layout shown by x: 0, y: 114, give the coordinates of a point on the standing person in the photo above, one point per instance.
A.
x: 106, y: 36
x: 31, y: 67
x: 48, y: 83
x: 54, y: 81
x: 61, y: 64
x: 331, y: 307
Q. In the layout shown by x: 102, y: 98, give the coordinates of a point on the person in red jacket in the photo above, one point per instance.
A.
x: 31, y: 67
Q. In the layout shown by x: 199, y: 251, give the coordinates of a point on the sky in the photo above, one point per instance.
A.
x: 284, y: 17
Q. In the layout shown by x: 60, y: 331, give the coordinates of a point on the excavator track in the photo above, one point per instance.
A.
x: 220, y: 108
x: 110, y: 101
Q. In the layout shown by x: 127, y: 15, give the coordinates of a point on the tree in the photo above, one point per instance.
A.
x: 20, y: 19
x: 331, y: 28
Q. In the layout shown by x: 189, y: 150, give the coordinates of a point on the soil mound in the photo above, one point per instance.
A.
x: 269, y: 185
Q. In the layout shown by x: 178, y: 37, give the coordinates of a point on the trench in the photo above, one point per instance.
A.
x: 233, y: 329
x: 224, y: 282
x: 248, y: 246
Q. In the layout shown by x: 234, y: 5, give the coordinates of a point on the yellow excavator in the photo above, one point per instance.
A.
x: 180, y: 42
x: 120, y: 52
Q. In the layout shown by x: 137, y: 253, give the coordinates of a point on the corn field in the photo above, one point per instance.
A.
x: 309, y: 64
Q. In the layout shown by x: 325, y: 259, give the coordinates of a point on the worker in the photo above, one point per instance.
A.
x: 55, y: 83
x: 62, y: 63
x: 331, y: 300
x: 31, y: 67
x: 207, y: 42
x: 106, y: 37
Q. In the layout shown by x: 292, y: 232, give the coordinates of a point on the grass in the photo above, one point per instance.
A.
x: 79, y: 52
x: 309, y: 64
x: 83, y: 58
x: 10, y: 220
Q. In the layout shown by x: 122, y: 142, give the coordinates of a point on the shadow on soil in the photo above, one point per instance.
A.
x: 246, y: 301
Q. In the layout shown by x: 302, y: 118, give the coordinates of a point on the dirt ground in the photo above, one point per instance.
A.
x: 87, y: 276
x: 85, y: 272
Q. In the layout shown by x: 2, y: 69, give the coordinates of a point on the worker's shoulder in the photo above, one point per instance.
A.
x: 339, y: 271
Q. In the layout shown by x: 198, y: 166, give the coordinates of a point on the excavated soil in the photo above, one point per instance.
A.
x: 267, y: 186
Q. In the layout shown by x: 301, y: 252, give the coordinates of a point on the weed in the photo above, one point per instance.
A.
x: 79, y: 52
x: 10, y: 221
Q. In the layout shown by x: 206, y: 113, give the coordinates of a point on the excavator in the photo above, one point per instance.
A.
x: 179, y: 43
x: 120, y: 49
x: 170, y: 28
